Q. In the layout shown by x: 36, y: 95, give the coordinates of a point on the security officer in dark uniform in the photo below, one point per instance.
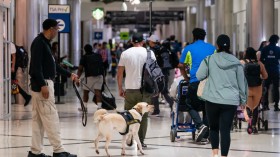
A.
x: 270, y: 56
x: 44, y: 112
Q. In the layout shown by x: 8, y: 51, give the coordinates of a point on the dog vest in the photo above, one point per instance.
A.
x: 129, y: 120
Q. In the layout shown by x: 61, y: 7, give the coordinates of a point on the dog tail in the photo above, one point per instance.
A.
x: 98, y: 115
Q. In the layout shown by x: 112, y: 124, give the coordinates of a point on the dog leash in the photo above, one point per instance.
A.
x: 84, y: 110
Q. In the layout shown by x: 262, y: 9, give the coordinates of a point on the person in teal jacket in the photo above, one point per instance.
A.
x: 225, y: 89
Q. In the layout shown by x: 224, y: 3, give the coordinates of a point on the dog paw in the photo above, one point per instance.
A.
x: 97, y: 152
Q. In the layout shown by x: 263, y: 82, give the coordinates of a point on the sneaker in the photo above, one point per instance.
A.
x: 27, y: 100
x: 64, y: 154
x: 204, y: 141
x: 155, y: 114
x: 30, y: 154
x: 143, y: 145
x: 255, y: 130
x: 216, y: 155
x: 201, y: 131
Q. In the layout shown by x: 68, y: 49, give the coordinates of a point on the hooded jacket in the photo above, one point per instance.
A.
x: 226, y: 82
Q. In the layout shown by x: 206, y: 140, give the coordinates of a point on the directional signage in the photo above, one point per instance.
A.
x: 142, y: 17
x: 98, y: 35
x: 61, y: 13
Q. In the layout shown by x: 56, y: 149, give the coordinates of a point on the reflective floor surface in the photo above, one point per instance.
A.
x: 15, y: 134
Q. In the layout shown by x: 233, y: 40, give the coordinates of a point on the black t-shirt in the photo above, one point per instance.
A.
x: 270, y: 56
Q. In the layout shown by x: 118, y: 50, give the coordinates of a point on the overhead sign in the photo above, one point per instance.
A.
x: 124, y: 35
x: 142, y: 17
x: 61, y: 13
x: 98, y: 13
x: 98, y: 35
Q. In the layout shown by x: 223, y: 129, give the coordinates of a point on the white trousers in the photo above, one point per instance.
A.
x: 45, y: 119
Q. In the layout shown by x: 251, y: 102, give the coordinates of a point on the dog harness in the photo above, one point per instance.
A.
x: 129, y: 120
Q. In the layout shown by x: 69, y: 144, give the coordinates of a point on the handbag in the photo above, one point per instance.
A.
x: 108, y: 99
x: 202, y: 83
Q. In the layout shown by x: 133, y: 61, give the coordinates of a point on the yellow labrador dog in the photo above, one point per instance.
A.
x: 106, y: 122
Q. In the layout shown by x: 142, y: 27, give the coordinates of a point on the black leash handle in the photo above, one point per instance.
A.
x: 84, y: 110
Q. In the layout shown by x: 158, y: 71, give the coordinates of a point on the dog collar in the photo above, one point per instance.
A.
x: 137, y: 111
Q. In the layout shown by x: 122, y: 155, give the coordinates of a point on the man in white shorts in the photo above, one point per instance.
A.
x: 93, y: 65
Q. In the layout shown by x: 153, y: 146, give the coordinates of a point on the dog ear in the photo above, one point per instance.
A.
x: 139, y: 107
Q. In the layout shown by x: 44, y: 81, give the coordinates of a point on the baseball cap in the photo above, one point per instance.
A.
x: 137, y: 37
x: 223, y: 41
x: 153, y: 38
x: 48, y: 23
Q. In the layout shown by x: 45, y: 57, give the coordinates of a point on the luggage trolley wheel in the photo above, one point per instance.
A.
x: 173, y: 134
x: 265, y: 125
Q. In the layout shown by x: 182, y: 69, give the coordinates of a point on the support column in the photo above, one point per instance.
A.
x: 208, y: 26
x: 224, y: 17
x: 64, y: 37
x: 190, y: 24
x: 75, y: 31
x: 268, y: 19
x: 200, y: 13
x: 255, y: 29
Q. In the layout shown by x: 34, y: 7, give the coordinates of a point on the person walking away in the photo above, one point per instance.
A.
x: 262, y: 45
x: 114, y: 66
x: 191, y: 58
x: 164, y: 57
x: 254, y: 72
x: 270, y: 56
x: 14, y: 69
x: 44, y: 112
x: 132, y: 61
x: 222, y: 93
x: 92, y: 64
x: 106, y: 57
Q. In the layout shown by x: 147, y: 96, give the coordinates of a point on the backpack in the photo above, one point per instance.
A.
x: 93, y: 65
x: 167, y: 59
x: 152, y: 81
x: 252, y: 72
x: 21, y: 57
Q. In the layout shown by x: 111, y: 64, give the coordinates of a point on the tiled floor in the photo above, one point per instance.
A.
x: 15, y: 135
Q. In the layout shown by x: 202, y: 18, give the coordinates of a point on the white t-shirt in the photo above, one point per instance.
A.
x: 133, y: 60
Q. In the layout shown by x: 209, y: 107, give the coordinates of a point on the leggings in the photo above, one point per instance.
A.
x: 220, y: 117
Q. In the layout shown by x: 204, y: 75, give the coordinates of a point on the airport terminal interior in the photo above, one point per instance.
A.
x: 81, y: 22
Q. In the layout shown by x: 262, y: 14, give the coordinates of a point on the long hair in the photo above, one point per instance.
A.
x: 251, y: 54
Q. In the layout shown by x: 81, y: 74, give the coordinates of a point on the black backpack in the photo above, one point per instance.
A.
x: 252, y: 72
x: 152, y: 81
x: 93, y: 65
x: 167, y: 59
x: 21, y: 57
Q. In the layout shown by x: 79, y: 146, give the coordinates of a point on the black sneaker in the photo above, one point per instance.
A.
x: 155, y: 114
x: 276, y: 108
x: 64, y: 154
x: 255, y: 130
x: 30, y: 154
x: 27, y: 100
x: 143, y: 145
x: 204, y: 141
x: 201, y: 132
